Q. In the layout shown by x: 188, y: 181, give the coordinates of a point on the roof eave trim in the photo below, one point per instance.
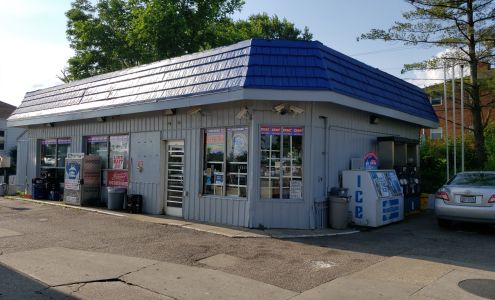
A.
x: 223, y: 97
x: 336, y: 98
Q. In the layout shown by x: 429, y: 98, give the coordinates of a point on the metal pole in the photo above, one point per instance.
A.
x: 454, y: 136
x: 446, y: 116
x: 462, y: 118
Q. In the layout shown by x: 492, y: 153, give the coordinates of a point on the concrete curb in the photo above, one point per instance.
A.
x: 65, y: 206
x: 296, y: 236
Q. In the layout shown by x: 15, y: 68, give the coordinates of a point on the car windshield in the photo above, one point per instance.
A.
x: 475, y: 179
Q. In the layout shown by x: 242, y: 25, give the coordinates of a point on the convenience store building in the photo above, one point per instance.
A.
x: 252, y: 134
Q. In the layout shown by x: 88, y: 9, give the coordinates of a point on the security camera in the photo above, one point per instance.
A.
x: 243, y: 113
x: 281, y: 109
x: 296, y: 110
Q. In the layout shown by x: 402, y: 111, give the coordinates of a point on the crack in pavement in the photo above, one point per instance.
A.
x: 144, y: 288
x: 144, y: 267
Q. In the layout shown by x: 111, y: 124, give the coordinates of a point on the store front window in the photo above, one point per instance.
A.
x: 114, y: 153
x: 281, y: 162
x: 52, y: 157
x: 226, y: 161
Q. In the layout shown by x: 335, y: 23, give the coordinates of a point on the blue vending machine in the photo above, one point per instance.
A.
x: 377, y: 197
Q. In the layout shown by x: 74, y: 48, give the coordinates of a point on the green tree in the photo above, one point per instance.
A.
x: 464, y: 26
x: 260, y: 26
x: 116, y: 34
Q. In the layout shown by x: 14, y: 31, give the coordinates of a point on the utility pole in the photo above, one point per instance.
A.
x: 454, y: 137
x: 446, y: 118
x: 462, y: 118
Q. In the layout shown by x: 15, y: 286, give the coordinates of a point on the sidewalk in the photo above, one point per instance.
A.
x: 88, y: 275
x: 228, y: 231
x: 408, y: 278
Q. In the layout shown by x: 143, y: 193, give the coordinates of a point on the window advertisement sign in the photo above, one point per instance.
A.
x: 49, y: 142
x: 66, y: 141
x: 271, y: 130
x: 215, y: 141
x: 97, y: 139
x: 118, y: 162
x: 293, y: 131
x: 116, y: 178
x: 295, y: 189
x: 72, y: 175
x: 239, y: 140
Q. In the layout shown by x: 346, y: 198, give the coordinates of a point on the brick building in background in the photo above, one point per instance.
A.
x: 485, y: 71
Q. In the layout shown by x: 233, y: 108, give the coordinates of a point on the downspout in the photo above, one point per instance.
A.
x: 325, y: 150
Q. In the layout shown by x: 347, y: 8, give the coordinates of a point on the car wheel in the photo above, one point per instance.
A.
x: 444, y: 223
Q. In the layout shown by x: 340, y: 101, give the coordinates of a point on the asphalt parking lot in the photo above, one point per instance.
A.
x: 296, y: 265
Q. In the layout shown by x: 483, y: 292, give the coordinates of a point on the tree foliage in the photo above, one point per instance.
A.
x: 115, y: 34
x: 466, y: 27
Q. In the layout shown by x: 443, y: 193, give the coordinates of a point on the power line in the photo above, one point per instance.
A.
x: 383, y: 50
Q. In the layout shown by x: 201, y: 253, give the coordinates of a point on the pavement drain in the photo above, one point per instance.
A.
x: 480, y: 287
x: 320, y: 264
x: 43, y: 219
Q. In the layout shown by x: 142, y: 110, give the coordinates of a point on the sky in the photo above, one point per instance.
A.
x: 35, y: 48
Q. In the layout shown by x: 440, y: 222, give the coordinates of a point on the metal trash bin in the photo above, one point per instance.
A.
x: 339, y: 206
x: 116, y: 197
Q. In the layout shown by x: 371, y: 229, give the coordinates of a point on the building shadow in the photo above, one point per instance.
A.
x: 14, y: 285
x: 419, y: 236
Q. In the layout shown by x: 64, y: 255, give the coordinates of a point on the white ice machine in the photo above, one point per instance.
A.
x: 377, y: 197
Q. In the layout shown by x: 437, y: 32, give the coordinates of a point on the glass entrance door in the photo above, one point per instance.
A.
x: 174, y: 182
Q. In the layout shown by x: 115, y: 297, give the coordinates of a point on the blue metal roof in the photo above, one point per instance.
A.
x: 302, y: 65
x: 251, y: 64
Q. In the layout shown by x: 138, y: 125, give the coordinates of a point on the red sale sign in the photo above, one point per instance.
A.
x: 117, y: 178
x: 118, y: 162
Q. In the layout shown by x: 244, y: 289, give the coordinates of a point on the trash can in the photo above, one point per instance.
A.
x: 338, y: 205
x: 135, y: 203
x: 116, y: 197
x: 3, y: 189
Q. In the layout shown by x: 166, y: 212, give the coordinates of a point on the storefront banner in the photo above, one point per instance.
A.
x: 215, y: 141
x: 119, y: 138
x: 269, y: 130
x: 72, y: 175
x: 97, y: 139
x: 49, y: 142
x: 66, y: 141
x: 287, y: 131
x: 118, y: 162
x: 293, y: 131
x: 117, y: 178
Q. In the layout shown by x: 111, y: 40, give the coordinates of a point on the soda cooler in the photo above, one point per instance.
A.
x: 82, y: 179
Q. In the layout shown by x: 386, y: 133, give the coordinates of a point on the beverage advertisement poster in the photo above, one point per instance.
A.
x: 72, y: 175
x: 117, y: 178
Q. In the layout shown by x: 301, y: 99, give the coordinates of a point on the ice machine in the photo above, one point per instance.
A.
x: 377, y: 197
x: 82, y: 179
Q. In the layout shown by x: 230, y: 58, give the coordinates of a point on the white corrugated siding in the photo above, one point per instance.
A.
x: 349, y: 134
